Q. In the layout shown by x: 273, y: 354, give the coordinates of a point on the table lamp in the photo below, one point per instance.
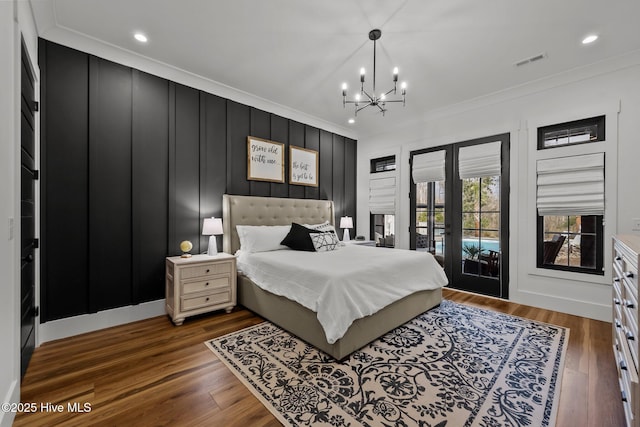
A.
x: 346, y: 222
x: 212, y: 227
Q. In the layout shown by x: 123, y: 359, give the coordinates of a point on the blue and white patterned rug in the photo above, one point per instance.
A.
x: 452, y: 366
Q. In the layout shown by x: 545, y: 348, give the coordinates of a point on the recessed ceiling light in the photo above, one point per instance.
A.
x: 352, y: 121
x: 140, y: 37
x: 589, y: 39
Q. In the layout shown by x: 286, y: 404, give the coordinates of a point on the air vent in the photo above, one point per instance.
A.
x: 534, y: 58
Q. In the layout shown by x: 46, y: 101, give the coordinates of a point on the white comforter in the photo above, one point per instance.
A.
x: 343, y: 285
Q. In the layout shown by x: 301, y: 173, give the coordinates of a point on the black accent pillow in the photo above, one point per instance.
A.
x: 298, y: 238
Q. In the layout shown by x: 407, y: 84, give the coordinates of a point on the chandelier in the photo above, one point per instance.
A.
x: 365, y: 99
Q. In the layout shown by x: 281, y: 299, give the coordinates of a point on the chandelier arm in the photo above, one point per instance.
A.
x: 362, y: 108
x: 391, y: 90
x: 371, y: 98
x: 393, y: 100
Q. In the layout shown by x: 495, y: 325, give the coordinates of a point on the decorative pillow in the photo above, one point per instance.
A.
x: 298, y: 238
x: 325, y: 241
x: 262, y: 238
x: 325, y: 226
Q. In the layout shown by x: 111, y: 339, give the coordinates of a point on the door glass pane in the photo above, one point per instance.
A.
x: 430, y: 199
x: 481, y: 226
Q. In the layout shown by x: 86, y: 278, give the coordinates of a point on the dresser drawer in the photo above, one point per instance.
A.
x: 213, y: 283
x: 205, y: 300
x: 202, y: 270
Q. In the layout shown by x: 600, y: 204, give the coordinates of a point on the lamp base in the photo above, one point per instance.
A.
x: 213, y: 246
x: 345, y: 236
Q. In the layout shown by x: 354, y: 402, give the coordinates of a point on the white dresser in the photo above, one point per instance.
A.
x: 625, y: 322
x: 200, y: 284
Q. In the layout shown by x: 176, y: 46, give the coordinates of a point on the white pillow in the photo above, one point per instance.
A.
x: 262, y: 238
x: 325, y: 226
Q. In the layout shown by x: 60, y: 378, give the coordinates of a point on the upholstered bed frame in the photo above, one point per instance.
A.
x: 289, y: 315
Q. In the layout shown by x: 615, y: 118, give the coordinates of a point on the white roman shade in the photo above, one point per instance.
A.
x: 571, y: 185
x: 428, y: 167
x: 382, y: 193
x: 479, y: 160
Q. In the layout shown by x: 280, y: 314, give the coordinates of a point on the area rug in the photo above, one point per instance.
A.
x: 454, y: 365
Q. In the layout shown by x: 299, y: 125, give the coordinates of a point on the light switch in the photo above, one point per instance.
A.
x: 11, y: 228
x: 635, y: 225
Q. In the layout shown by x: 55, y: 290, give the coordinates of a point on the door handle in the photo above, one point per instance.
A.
x: 28, y: 258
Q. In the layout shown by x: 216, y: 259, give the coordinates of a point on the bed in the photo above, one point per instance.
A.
x: 290, y: 315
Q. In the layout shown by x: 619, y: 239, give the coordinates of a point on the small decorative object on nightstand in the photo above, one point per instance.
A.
x: 185, y: 247
x: 346, y: 222
x: 199, y: 284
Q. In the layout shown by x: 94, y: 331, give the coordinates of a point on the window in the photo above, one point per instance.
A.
x: 570, y: 199
x: 382, y: 198
x: 383, y: 164
x: 430, y: 228
x: 570, y: 133
x: 571, y: 243
x: 383, y: 230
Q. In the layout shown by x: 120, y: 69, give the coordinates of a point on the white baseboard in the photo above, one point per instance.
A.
x: 76, y: 325
x: 12, y: 396
x: 575, y: 307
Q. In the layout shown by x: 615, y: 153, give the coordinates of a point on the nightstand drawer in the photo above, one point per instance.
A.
x: 206, y: 300
x: 206, y: 270
x: 204, y: 285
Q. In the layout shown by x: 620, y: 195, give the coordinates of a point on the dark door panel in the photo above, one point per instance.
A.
x: 27, y: 216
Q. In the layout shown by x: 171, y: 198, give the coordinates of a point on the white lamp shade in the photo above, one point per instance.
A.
x: 212, y: 226
x: 346, y: 222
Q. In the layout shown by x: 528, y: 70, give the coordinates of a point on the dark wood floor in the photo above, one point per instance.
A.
x: 151, y: 373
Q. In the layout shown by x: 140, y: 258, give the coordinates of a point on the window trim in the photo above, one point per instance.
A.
x: 567, y: 150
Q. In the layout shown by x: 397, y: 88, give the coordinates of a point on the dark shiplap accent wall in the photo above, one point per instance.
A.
x: 132, y: 163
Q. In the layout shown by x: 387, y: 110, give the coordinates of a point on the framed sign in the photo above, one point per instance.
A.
x: 303, y: 168
x: 265, y: 160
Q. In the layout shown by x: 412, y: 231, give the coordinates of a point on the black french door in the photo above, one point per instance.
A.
x: 464, y: 222
x: 28, y: 243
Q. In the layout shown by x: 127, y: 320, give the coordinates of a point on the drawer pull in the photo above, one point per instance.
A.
x: 617, y: 280
x: 616, y: 301
x: 618, y: 324
x: 629, y: 304
x: 208, y: 270
x: 630, y: 336
x: 618, y: 258
x: 628, y: 274
x: 624, y: 396
x: 207, y: 299
x: 206, y: 284
x: 623, y: 365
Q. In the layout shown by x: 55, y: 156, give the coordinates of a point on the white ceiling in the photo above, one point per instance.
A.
x: 297, y: 53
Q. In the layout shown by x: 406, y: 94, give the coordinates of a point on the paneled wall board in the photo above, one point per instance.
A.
x: 132, y: 163
x: 109, y: 198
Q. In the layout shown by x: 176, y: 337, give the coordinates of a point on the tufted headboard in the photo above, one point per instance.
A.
x: 253, y: 210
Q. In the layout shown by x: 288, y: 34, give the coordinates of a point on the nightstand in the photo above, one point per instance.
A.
x: 360, y: 242
x: 199, y: 284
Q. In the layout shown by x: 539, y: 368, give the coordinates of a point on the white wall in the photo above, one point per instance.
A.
x: 601, y: 89
x: 9, y: 323
x: 15, y: 19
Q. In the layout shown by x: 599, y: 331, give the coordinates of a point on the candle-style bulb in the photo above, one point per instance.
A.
x: 362, y: 75
x: 395, y: 74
